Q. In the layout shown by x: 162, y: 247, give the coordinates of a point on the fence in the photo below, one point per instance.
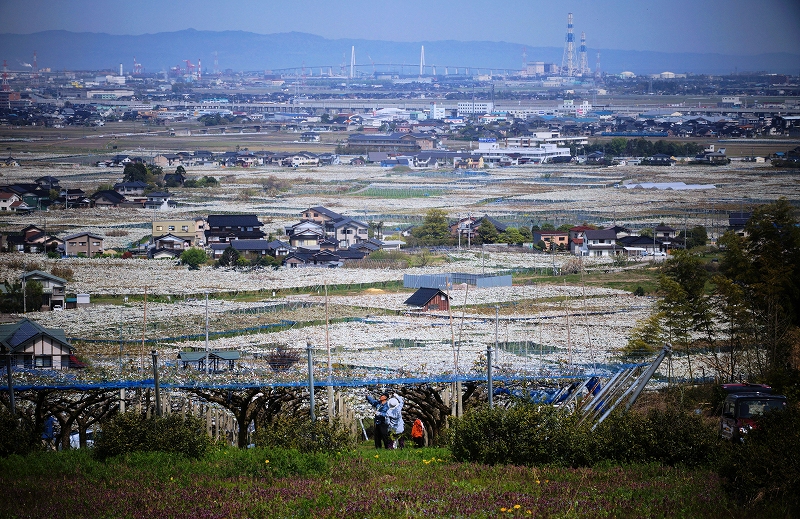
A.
x: 443, y: 281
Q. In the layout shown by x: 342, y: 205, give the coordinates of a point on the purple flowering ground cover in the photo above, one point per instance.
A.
x: 410, y: 483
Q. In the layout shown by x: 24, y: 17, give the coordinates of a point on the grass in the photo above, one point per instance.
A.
x: 629, y: 279
x: 364, y: 483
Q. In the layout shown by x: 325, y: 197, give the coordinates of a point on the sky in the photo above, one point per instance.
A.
x: 706, y: 26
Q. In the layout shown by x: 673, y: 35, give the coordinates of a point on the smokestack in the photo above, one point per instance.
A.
x: 120, y: 69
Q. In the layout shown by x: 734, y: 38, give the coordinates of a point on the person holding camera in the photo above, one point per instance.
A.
x: 381, y: 420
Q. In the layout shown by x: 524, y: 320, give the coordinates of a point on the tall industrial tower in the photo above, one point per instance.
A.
x: 422, y: 60
x: 35, y: 70
x: 5, y: 87
x: 568, y: 61
x: 352, y: 61
x: 583, y: 66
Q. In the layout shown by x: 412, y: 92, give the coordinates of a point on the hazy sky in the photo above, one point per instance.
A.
x: 719, y: 26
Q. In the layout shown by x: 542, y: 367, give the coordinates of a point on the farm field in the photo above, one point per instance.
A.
x: 544, y: 322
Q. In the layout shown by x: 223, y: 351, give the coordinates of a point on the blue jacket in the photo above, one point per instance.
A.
x: 380, y: 408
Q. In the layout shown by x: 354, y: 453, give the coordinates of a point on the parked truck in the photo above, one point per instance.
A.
x: 744, y: 404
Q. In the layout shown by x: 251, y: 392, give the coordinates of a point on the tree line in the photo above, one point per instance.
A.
x: 744, y: 309
x: 619, y: 146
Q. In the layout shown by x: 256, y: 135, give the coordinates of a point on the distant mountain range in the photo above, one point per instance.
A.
x: 247, y: 51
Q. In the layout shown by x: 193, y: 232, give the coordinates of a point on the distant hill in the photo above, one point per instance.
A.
x: 247, y: 51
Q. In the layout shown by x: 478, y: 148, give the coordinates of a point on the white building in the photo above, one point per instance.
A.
x: 437, y: 112
x: 475, y: 107
x: 492, y: 153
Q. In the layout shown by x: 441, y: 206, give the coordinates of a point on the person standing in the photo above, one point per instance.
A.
x: 394, y: 416
x: 418, y: 433
x: 381, y: 420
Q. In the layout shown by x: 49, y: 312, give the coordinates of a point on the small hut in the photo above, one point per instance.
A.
x: 216, y: 359
x: 427, y: 299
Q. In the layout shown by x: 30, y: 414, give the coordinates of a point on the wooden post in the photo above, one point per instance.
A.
x: 460, y: 400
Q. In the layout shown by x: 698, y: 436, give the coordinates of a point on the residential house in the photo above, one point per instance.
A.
x: 367, y: 247
x: 640, y: 245
x: 131, y: 189
x: 552, y: 239
x: 600, y: 242
x: 228, y: 227
x: 53, y: 287
x: 33, y: 195
x: 348, y: 231
x: 464, y: 229
x: 32, y: 239
x: 737, y: 222
x: 576, y: 238
x: 165, y: 160
x: 169, y: 245
x: 342, y: 229
x: 469, y: 162
x: 666, y: 235
x: 312, y: 258
x: 84, y: 243
x: 12, y: 203
x: 307, y: 234
x: 328, y: 159
x: 710, y: 156
x: 193, y: 230
x: 428, y: 299
x: 174, y: 179
x: 29, y: 345
x: 660, y: 159
x: 309, y: 137
x: 358, y: 161
x: 303, y: 158
x: 107, y: 198
x: 406, y: 142
x: 253, y: 249
x: 48, y: 182
x: 159, y: 201
x: 74, y: 198
x: 278, y: 248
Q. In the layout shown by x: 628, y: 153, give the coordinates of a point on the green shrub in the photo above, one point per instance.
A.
x: 765, y: 469
x: 132, y: 432
x: 675, y: 437
x: 293, y: 432
x: 16, y: 436
x: 526, y: 434
x: 619, y: 439
x: 523, y: 434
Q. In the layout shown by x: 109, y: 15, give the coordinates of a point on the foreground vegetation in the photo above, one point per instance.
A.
x: 366, y: 483
x: 523, y: 460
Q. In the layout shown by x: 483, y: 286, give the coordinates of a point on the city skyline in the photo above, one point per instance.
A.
x: 716, y: 26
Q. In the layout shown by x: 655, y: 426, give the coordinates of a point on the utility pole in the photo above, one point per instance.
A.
x: 310, y: 378
x: 144, y: 332
x: 207, y: 351
x: 489, y: 357
x: 11, y: 402
x: 330, y: 363
x: 154, y: 354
